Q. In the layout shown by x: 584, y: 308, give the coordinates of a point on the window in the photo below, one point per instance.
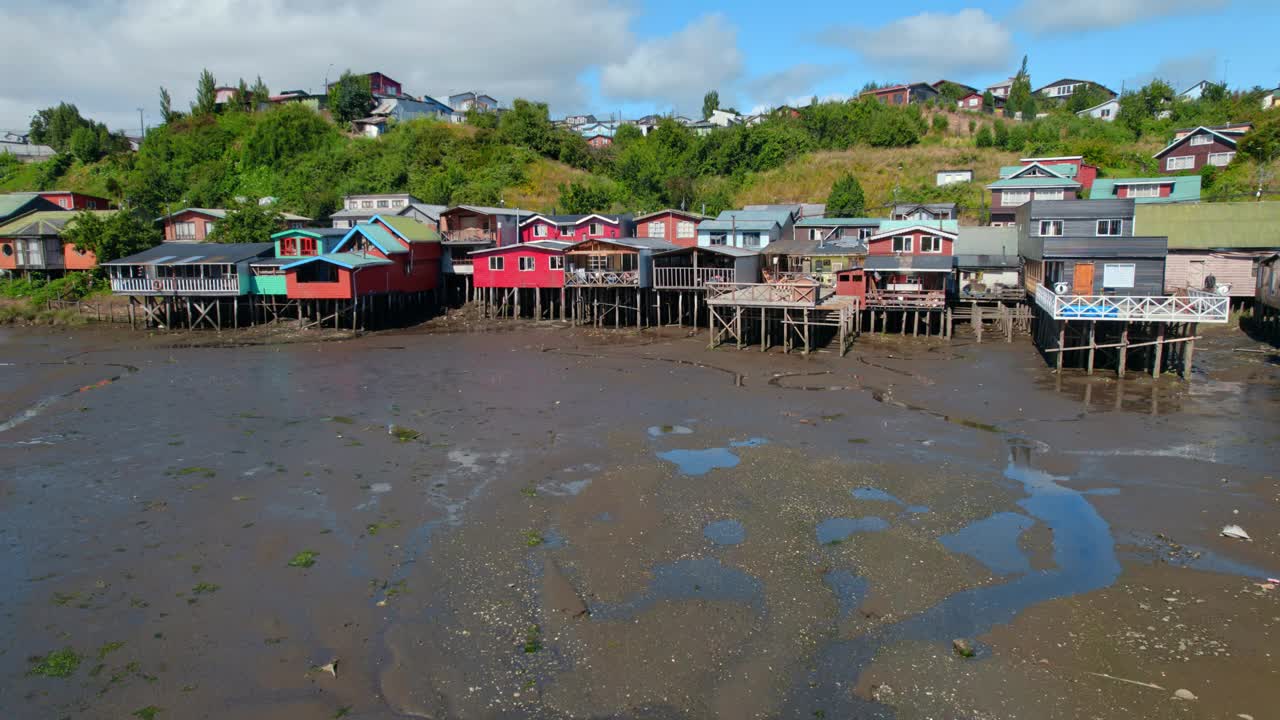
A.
x: 495, y: 263
x: 1109, y: 228
x: 1050, y: 228
x: 1221, y: 159
x: 718, y: 238
x: 366, y: 203
x: 657, y: 229
x: 1013, y: 198
x: 308, y: 246
x: 684, y: 229
x: 902, y: 244
x: 208, y: 228
x: 816, y: 234
x: 1117, y: 275
x: 821, y: 265
x: 1181, y: 162
x: 384, y: 203
x: 288, y: 246
x: 1106, y: 113
x: 751, y: 239
x: 598, y: 262
x: 92, y: 204
x: 1201, y: 139
x: 526, y: 264
x: 595, y: 229
x: 341, y: 224
x: 866, y: 232
x: 1143, y: 191
x: 8, y: 250
x: 930, y: 244
x: 539, y: 230
x: 184, y: 231
x: 1049, y: 194
x: 557, y: 262
x: 397, y: 203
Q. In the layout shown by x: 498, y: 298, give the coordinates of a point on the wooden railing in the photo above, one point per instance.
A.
x: 175, y: 285
x: 469, y: 235
x: 773, y: 276
x: 687, y: 277
x: 1195, y: 306
x: 930, y: 299
x: 794, y: 294
x: 579, y: 277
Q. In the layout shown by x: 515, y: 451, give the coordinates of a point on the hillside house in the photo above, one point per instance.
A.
x: 68, y: 200
x: 464, y: 101
x: 1143, y: 191
x: 912, y: 93
x: 724, y: 118
x: 951, y: 177
x: 574, y: 228
x: 798, y: 211
x: 1212, y: 245
x: 678, y: 227
x: 817, y: 229
x: 390, y: 110
x: 380, y: 85
x: 196, y: 224
x: 465, y: 228
x: 1194, y: 148
x: 1019, y: 184
x: 747, y: 229
x: 33, y: 243
x: 361, y: 208
x: 971, y: 102
x: 1080, y: 171
x: 1088, y: 248
x: 1062, y: 90
x: 909, y: 265
x: 381, y: 257
x: 14, y: 204
x: 1271, y: 99
x: 538, y: 264
x: 1106, y: 110
x: 1001, y: 89
x: 925, y: 211
x: 1235, y: 130
x: 1195, y: 92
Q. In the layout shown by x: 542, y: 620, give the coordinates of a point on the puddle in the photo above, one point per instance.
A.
x: 993, y: 541
x: 571, y: 487
x: 725, y: 532
x: 870, y: 493
x: 835, y: 530
x: 1158, y: 549
x: 696, y: 579
x: 850, y: 590
x: 380, y: 487
x: 701, y: 462
x: 661, y: 430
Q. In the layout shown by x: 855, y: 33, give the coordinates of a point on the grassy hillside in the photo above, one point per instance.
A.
x: 540, y: 190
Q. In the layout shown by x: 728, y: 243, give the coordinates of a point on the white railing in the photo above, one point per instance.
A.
x: 174, y: 285
x: 687, y: 277
x: 579, y: 277
x: 1196, y: 306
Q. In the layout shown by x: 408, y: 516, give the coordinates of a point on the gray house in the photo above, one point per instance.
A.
x: 1088, y: 248
x: 748, y: 229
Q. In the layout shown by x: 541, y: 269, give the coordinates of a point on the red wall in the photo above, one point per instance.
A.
x: 75, y: 260
x: 376, y: 279
x: 75, y: 200
x: 573, y: 233
x: 201, y: 221
x: 855, y: 284
x: 1199, y: 152
x: 340, y: 290
x: 884, y: 246
x: 1123, y: 191
x: 8, y: 261
x: 672, y: 221
x: 510, y: 276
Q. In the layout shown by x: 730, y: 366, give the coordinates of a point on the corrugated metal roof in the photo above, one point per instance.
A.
x: 44, y: 222
x: 548, y: 245
x: 839, y: 222
x: 313, y: 232
x: 986, y: 241
x: 950, y: 226
x: 740, y: 224
x: 1186, y: 188
x: 1066, y: 170
x: 376, y: 234
x: 717, y: 249
x: 685, y: 213
x: 918, y: 263
x: 1204, y: 226
x: 410, y: 229
x: 805, y: 246
x: 209, y: 253
x: 221, y: 213
x: 988, y: 261
x: 350, y: 261
x: 1034, y: 182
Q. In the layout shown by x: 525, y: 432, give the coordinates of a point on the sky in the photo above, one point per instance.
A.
x: 611, y: 57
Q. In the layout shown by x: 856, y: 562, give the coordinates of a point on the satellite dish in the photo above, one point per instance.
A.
x: 1061, y: 288
x: 1223, y: 289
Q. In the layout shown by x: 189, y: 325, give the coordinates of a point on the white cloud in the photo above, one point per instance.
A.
x: 931, y: 44
x: 779, y: 88
x: 110, y: 58
x: 1048, y: 16
x: 677, y: 70
x: 1180, y: 72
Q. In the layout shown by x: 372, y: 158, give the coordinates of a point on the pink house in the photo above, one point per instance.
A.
x: 909, y: 267
x: 575, y: 228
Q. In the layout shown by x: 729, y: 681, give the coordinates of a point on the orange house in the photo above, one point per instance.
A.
x: 33, y: 243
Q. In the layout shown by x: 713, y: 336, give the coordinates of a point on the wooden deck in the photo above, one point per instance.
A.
x: 768, y: 295
x: 1194, y: 307
x: 794, y: 312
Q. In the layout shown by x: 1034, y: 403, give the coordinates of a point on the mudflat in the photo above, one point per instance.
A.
x: 552, y: 523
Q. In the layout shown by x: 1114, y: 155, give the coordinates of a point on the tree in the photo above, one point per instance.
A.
x: 528, y: 124
x: 350, y: 98
x: 241, y: 99
x: 983, y: 139
x: 285, y: 133
x: 1262, y: 145
x: 85, y: 144
x: 846, y: 198
x: 710, y: 103
x: 247, y: 222
x: 54, y: 126
x: 940, y: 124
x: 261, y: 95
x: 206, y: 94
x: 111, y: 237
x: 951, y: 92
x: 1020, y: 94
x: 988, y: 102
x: 580, y: 198
x: 167, y: 114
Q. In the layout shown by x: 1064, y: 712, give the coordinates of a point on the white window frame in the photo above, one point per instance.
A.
x: 556, y: 262
x: 527, y: 264
x: 1215, y: 157
x: 751, y: 239
x: 1142, y: 191
x: 686, y: 229
x: 1014, y: 198
x: 1051, y: 225
x: 1110, y: 269
x: 657, y: 229
x: 816, y: 234
x: 902, y: 243
x: 595, y: 228
x: 1180, y: 162
x: 1049, y: 194
x: 179, y: 227
x: 866, y: 232
x: 1201, y: 139
x: 540, y: 230
x: 496, y: 263
x: 1104, y: 227
x: 930, y: 241
x: 384, y: 203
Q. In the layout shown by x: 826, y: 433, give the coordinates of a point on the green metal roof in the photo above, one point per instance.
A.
x: 12, y: 202
x: 1202, y: 226
x: 410, y: 229
x: 1033, y: 182
x: 948, y: 225
x: 45, y: 222
x: 1186, y: 188
x: 839, y: 222
x: 1064, y: 169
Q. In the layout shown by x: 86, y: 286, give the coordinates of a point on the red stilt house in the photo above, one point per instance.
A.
x: 537, y: 264
x: 908, y: 266
x: 383, y: 256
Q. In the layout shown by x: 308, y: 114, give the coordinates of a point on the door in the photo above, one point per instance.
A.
x: 1082, y: 280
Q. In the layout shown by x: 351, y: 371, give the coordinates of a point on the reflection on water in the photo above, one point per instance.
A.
x: 695, y: 579
x: 725, y: 532
x: 834, y: 530
x: 870, y: 493
x: 701, y: 462
x: 993, y: 541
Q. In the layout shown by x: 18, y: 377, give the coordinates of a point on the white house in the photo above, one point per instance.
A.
x: 1195, y: 91
x: 1102, y: 111
x: 948, y: 177
x: 724, y: 118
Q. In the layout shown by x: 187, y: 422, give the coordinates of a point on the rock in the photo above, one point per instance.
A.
x: 1244, y: 716
x: 331, y: 667
x: 1235, y: 532
x: 1184, y: 694
x: 963, y: 647
x: 881, y: 692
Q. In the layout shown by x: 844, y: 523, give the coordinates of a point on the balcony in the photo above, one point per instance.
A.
x: 911, y: 298
x: 788, y: 295
x: 1196, y: 306
x: 226, y: 285
x: 690, y: 278
x: 580, y: 277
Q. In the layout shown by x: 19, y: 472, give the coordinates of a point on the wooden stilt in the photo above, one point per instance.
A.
x: 1124, y: 351
x: 1062, y: 342
x: 1190, y: 352
x: 1156, y: 366
x: 1093, y: 329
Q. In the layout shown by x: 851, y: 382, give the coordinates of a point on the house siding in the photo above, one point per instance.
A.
x: 884, y: 246
x: 1199, y: 153
x: 1189, y: 269
x: 511, y: 276
x: 670, y: 223
x: 203, y: 226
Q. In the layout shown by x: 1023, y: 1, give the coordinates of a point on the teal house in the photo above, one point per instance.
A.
x: 267, y: 274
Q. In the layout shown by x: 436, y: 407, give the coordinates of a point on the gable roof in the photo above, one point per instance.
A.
x: 1062, y: 170
x: 12, y: 204
x: 44, y: 222
x: 1108, y: 101
x: 1185, y: 138
x: 950, y: 226
x: 633, y: 243
x: 197, y: 253
x: 807, y: 246
x: 481, y: 209
x: 385, y: 241
x: 914, y: 226
x: 408, y: 229
x: 431, y: 211
x: 820, y: 222
x: 931, y: 207
x: 1186, y: 188
x: 221, y: 213
x: 548, y: 245
x: 312, y: 232
x: 673, y: 211
x: 350, y: 261
x: 1032, y: 182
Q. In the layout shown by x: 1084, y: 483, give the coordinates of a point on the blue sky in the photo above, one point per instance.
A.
x: 609, y: 56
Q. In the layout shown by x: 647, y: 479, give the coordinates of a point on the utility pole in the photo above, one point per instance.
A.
x: 142, y: 128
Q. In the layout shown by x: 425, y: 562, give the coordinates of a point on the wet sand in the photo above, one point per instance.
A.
x: 553, y: 523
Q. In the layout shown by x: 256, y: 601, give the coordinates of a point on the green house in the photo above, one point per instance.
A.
x: 266, y: 276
